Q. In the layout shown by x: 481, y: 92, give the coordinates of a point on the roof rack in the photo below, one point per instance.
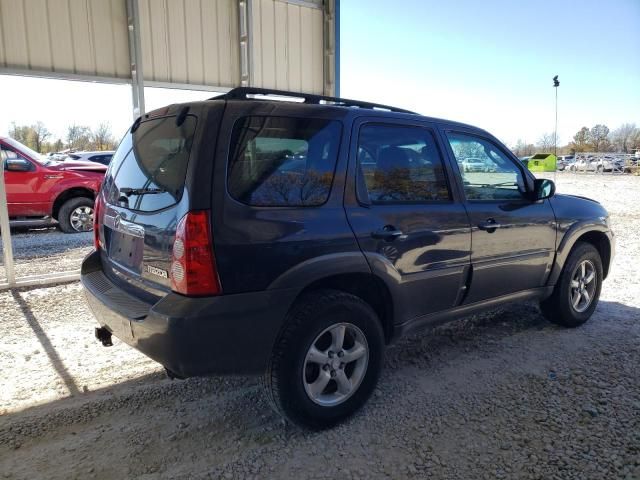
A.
x: 248, y: 93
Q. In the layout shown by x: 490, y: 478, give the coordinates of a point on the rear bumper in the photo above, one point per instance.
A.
x: 229, y: 334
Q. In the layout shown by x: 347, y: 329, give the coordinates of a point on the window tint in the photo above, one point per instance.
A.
x: 400, y: 164
x: 103, y: 159
x: 283, y: 161
x: 151, y: 164
x: 487, y: 173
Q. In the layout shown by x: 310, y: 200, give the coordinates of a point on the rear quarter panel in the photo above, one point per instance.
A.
x: 263, y: 247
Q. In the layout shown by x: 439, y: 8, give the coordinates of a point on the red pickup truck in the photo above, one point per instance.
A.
x: 38, y: 187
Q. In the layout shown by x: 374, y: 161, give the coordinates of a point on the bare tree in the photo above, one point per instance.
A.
x: 102, y: 138
x: 78, y: 137
x: 57, y: 146
x: 598, y: 135
x: 523, y: 149
x: 40, y: 134
x: 546, y: 143
x: 623, y: 136
x: 20, y: 133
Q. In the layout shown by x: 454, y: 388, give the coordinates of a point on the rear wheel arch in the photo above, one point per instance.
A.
x: 69, y: 194
x: 366, y: 286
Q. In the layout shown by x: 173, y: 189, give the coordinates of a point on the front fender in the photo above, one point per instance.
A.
x: 570, y: 234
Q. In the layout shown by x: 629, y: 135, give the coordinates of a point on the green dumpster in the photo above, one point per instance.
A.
x: 542, y: 162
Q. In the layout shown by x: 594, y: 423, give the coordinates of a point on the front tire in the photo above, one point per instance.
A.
x: 327, y: 360
x: 76, y: 215
x: 575, y: 296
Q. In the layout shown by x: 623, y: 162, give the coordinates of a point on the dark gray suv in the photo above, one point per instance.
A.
x: 295, y: 236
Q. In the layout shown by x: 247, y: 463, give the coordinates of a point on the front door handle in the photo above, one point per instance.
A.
x: 388, y: 233
x: 489, y: 225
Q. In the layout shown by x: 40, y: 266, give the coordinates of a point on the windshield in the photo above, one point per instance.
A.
x: 30, y: 153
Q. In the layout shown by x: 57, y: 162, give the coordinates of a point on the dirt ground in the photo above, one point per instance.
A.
x: 501, y: 395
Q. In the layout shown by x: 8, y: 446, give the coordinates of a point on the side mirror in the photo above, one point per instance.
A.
x: 17, y: 165
x: 543, y: 188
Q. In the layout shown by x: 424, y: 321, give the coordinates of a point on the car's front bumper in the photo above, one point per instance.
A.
x: 227, y: 334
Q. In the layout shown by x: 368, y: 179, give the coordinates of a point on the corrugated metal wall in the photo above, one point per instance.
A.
x: 287, y: 46
x: 87, y: 37
x: 193, y: 42
x: 190, y: 41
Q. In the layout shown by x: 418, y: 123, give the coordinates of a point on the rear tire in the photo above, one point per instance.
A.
x: 575, y: 296
x: 314, y: 379
x: 76, y: 215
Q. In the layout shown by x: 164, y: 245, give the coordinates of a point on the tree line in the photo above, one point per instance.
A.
x: 624, y: 139
x: 78, y: 137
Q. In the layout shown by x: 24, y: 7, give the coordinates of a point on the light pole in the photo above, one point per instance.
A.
x: 556, y: 84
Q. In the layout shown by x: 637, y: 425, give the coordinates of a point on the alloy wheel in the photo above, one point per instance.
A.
x: 81, y: 219
x: 583, y: 286
x: 335, y: 364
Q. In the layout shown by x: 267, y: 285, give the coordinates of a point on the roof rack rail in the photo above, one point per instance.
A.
x: 245, y: 93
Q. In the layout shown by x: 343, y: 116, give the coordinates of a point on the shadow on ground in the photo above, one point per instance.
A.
x: 241, y: 396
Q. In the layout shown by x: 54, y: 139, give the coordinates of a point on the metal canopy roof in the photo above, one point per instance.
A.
x: 191, y: 44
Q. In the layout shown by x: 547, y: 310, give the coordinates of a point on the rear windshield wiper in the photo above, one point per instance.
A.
x: 140, y: 191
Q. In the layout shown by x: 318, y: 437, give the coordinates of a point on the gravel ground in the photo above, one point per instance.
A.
x: 501, y: 395
x: 46, y: 250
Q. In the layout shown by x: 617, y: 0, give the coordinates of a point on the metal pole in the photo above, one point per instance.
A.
x: 245, y: 26
x: 7, y: 246
x: 555, y: 134
x: 135, y: 58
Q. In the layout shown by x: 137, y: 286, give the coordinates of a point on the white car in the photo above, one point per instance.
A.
x: 472, y: 164
x: 103, y: 157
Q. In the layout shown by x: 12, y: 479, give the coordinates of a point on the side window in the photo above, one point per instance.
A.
x: 283, y: 161
x: 487, y: 173
x: 400, y: 164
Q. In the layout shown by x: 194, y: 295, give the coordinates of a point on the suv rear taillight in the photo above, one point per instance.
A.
x: 97, y: 211
x: 193, y: 266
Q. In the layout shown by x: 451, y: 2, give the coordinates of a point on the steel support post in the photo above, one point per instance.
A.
x: 135, y: 58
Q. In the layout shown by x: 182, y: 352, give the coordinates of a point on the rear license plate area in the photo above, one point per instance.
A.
x: 126, y: 250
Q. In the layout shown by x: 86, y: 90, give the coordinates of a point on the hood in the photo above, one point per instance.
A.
x: 79, y: 166
x: 577, y: 196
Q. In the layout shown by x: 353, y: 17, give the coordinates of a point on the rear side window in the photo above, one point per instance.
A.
x: 283, y: 161
x: 149, y: 168
x: 398, y: 164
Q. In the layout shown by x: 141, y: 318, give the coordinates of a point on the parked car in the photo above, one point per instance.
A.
x: 583, y: 165
x: 38, y: 187
x: 212, y: 259
x: 103, y: 157
x: 597, y: 164
x: 564, y: 161
x: 476, y: 165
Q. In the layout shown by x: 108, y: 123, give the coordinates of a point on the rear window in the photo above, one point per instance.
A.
x: 283, y: 161
x: 149, y: 168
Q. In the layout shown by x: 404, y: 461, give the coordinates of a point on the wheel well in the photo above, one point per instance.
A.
x: 366, y: 286
x: 68, y: 194
x: 600, y: 241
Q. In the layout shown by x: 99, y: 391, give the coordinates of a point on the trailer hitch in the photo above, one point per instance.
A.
x: 104, y: 336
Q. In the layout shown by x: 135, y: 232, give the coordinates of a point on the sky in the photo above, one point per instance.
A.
x: 488, y: 63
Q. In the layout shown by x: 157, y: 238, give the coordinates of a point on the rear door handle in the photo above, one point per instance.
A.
x: 489, y: 225
x: 388, y: 233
